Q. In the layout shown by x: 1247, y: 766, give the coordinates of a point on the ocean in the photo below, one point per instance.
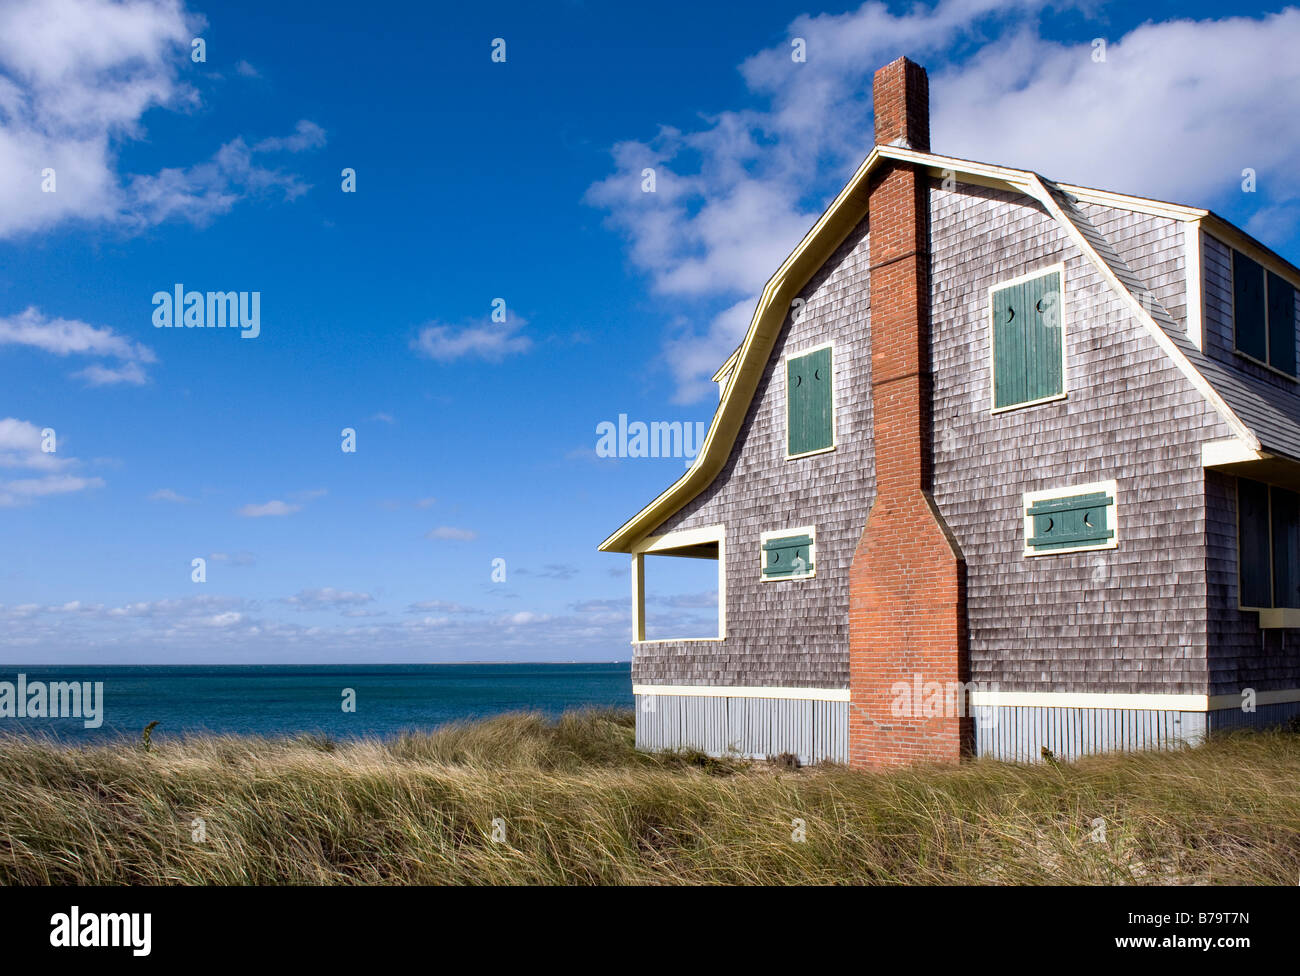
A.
x: 289, y: 699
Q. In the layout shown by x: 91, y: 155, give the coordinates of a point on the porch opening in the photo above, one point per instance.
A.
x: 679, y: 587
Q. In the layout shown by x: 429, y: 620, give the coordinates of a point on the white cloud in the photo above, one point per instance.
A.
x: 167, y: 495
x: 306, y: 135
x: 228, y: 619
x: 68, y: 337
x: 22, y: 491
x: 327, y: 598
x: 271, y: 508
x: 20, y: 447
x: 97, y: 375
x: 524, y: 617
x: 491, y: 341
x: 77, y: 78
x: 247, y: 70
x: 450, y: 532
x: 1176, y: 111
x: 444, y: 606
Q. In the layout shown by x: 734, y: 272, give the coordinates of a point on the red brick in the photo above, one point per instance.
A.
x: 907, y: 603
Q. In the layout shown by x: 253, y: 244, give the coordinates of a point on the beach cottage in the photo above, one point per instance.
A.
x: 1001, y: 465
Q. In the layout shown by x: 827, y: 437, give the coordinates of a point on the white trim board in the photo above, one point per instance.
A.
x: 1147, y: 702
x: 736, y: 691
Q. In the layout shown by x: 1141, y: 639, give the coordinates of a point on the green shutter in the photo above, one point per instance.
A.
x: 1286, y: 548
x: 787, y: 556
x: 1281, y: 326
x: 1071, y: 523
x: 1253, y: 544
x: 1248, y: 307
x: 808, y: 402
x: 1027, y: 341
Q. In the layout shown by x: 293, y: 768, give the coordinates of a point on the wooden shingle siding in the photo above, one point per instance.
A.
x: 788, y: 634
x: 1153, y: 248
x: 1127, y: 620
x: 751, y: 728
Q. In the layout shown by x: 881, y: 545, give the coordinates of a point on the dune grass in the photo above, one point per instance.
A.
x: 574, y: 803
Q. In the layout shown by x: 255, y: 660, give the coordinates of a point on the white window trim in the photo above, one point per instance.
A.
x: 1111, y: 488
x: 1268, y: 336
x: 665, y: 544
x: 835, y: 392
x: 1194, y: 260
x: 1059, y: 267
x: 810, y: 531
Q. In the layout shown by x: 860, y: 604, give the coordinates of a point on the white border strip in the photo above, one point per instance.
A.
x: 731, y: 691
x: 1176, y: 703
x: 1039, y: 699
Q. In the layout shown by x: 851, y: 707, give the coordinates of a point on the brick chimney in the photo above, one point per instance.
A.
x: 907, y: 584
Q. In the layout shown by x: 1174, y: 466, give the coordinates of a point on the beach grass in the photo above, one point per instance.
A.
x: 521, y: 799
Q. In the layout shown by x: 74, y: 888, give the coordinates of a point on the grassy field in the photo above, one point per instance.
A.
x: 575, y: 804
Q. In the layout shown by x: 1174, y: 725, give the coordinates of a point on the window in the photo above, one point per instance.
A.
x: 1263, y: 315
x: 1027, y: 340
x: 789, y: 553
x: 1063, y: 520
x: 809, y: 403
x: 1268, y: 546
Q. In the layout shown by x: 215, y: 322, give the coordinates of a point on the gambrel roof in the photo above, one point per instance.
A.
x: 1256, y: 412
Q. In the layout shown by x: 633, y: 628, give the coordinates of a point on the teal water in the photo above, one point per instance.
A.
x: 288, y: 699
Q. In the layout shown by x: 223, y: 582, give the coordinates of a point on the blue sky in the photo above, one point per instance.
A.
x: 475, y: 181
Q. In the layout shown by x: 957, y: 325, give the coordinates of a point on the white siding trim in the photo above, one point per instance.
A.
x: 1194, y: 274
x: 1176, y: 703
x: 735, y: 691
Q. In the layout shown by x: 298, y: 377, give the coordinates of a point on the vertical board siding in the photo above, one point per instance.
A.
x: 753, y: 728
x: 1018, y: 733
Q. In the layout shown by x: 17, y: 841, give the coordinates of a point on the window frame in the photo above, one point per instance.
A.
x: 763, y: 537
x: 1265, y: 270
x: 1272, y: 565
x: 1059, y: 268
x: 664, y: 545
x: 785, y: 384
x: 1030, y: 498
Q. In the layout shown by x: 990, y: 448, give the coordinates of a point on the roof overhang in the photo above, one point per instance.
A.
x: 1238, y: 458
